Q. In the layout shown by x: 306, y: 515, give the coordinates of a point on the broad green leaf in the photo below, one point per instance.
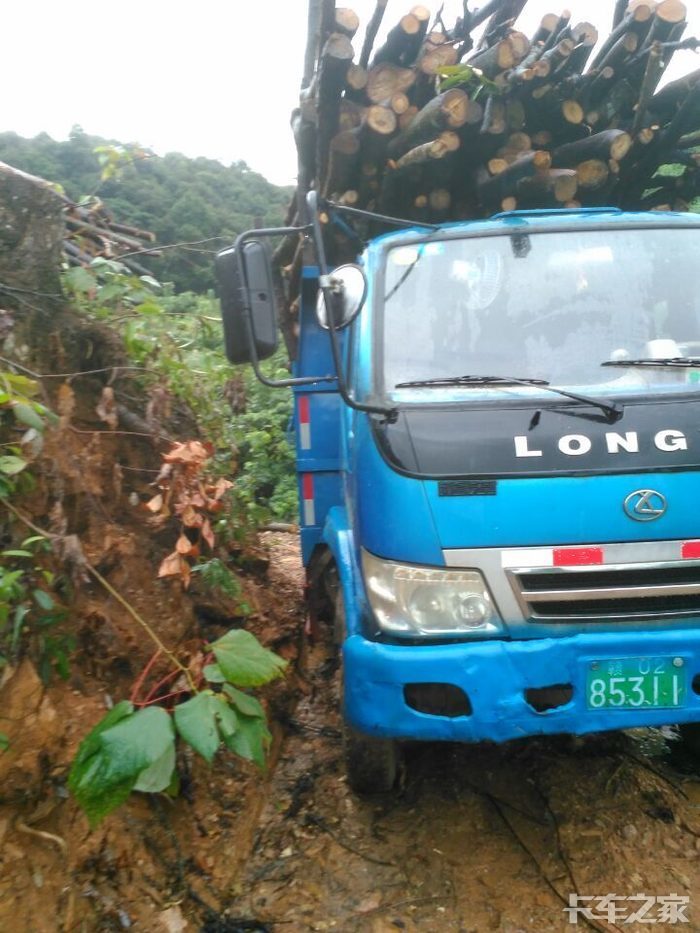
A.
x: 213, y: 672
x: 80, y: 279
x: 158, y: 776
x: 43, y: 599
x: 204, y: 720
x: 115, y: 754
x: 4, y: 742
x: 196, y: 722
x: 25, y: 414
x: 91, y: 742
x: 243, y: 702
x: 250, y: 740
x: 227, y: 719
x: 244, y: 661
x: 10, y: 466
x: 22, y: 384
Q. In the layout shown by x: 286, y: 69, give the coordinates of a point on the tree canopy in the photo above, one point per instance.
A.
x: 181, y: 200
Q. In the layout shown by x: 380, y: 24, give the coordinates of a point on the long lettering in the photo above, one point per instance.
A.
x: 671, y: 440
x: 627, y: 441
x: 522, y: 450
x: 573, y: 445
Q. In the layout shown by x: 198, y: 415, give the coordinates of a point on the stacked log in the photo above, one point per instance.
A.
x: 91, y: 232
x: 441, y: 123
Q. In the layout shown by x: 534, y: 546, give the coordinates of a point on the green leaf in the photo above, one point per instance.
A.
x: 204, y: 720
x: 21, y: 384
x: 25, y: 414
x: 243, y: 702
x: 43, y: 599
x: 33, y: 540
x: 148, y: 307
x: 150, y: 281
x: 250, y: 740
x: 80, y: 280
x: 196, y: 722
x: 112, y: 758
x: 244, y: 661
x: 158, y: 776
x: 4, y: 742
x: 16, y: 553
x: 11, y: 466
x: 213, y: 672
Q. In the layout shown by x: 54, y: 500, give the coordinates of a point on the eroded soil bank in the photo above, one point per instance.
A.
x: 476, y: 838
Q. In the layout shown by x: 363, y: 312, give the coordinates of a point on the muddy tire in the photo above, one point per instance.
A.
x: 371, y: 764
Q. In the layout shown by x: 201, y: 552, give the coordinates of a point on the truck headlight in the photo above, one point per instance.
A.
x: 413, y: 600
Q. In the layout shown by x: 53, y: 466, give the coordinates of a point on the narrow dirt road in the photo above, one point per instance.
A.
x: 476, y: 838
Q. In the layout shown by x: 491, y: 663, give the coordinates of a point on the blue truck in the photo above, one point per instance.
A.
x: 498, y: 442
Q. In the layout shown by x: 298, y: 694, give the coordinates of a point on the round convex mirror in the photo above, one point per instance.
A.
x: 349, y: 289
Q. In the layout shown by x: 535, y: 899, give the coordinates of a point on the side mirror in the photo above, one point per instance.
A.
x: 257, y: 292
x: 349, y: 290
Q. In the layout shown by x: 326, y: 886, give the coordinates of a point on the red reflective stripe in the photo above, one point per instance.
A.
x: 304, y: 409
x: 690, y: 550
x: 307, y: 486
x: 577, y: 556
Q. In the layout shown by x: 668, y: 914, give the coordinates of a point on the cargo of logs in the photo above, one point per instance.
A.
x: 91, y: 232
x: 439, y: 124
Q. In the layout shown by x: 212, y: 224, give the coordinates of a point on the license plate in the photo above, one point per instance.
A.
x: 636, y: 683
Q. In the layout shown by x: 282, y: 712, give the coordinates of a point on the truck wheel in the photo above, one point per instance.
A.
x: 371, y: 764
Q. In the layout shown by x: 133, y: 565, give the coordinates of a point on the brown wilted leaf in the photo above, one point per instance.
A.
x: 188, y: 452
x: 170, y: 565
x: 222, y: 487
x: 155, y: 504
x: 190, y: 518
x: 207, y: 533
x: 183, y: 545
x: 107, y: 408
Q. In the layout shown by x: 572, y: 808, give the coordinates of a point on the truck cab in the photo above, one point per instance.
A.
x: 498, y: 452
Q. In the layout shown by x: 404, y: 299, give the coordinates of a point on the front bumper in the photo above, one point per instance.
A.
x: 495, y: 676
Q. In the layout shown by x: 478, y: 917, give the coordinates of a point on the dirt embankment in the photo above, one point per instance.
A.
x: 475, y: 839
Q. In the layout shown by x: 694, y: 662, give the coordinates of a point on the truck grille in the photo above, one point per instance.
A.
x: 608, y: 593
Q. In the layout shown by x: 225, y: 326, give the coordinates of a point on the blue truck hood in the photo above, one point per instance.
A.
x: 484, y: 477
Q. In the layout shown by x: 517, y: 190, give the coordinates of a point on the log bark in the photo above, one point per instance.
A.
x: 448, y: 110
x: 609, y: 144
x: 335, y: 61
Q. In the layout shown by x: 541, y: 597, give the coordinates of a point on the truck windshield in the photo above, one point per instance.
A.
x: 549, y: 306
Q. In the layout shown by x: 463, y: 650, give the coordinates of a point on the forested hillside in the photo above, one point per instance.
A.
x: 179, y: 199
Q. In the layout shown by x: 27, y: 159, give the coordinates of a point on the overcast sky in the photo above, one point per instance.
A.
x: 210, y: 78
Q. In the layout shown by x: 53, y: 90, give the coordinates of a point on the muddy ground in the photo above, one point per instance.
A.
x: 475, y: 839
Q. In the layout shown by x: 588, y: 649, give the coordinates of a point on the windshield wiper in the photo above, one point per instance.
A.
x: 613, y: 410
x: 682, y: 362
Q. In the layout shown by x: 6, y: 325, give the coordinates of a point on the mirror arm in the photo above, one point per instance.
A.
x: 324, y: 283
x: 238, y: 245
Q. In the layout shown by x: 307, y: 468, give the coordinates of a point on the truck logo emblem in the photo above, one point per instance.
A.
x: 644, y: 505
